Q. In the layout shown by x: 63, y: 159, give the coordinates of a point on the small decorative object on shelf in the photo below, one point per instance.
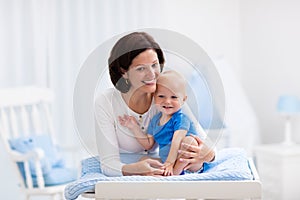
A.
x: 288, y: 106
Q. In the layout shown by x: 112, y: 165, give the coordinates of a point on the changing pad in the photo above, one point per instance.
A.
x: 230, y: 164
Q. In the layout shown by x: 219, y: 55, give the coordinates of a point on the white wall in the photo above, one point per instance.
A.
x: 270, y: 33
x: 214, y: 25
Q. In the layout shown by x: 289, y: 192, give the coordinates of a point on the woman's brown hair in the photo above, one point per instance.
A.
x: 124, y: 51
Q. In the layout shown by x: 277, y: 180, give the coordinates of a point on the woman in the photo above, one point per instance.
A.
x: 135, y: 62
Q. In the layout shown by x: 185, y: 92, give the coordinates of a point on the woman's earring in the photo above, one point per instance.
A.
x: 126, y: 81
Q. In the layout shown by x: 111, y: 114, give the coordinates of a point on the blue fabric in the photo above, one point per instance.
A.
x: 230, y: 164
x: 44, y: 142
x: 53, y: 166
x: 163, y: 135
x: 90, y: 165
x: 58, y: 176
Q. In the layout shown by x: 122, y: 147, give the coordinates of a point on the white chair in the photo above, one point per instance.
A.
x: 26, y: 111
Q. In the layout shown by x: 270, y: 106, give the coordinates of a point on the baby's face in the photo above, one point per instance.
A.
x: 167, y: 101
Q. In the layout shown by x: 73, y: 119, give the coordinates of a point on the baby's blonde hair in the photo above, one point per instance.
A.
x: 173, y: 81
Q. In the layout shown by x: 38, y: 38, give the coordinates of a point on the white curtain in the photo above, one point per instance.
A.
x: 44, y: 42
x: 23, y: 44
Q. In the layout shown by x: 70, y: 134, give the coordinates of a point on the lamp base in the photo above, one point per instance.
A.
x: 288, y: 133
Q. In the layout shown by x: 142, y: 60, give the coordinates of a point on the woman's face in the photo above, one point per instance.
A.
x: 143, y: 72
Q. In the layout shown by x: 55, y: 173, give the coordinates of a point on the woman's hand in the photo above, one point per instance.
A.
x: 147, y: 167
x: 196, y: 155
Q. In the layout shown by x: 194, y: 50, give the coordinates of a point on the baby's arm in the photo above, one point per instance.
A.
x: 172, y: 157
x: 146, y: 140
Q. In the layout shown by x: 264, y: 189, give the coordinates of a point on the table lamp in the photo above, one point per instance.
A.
x: 288, y: 106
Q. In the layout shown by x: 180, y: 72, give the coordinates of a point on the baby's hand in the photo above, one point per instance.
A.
x: 128, y: 121
x: 168, y: 169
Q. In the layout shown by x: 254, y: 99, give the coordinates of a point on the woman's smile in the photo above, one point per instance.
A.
x: 149, y: 82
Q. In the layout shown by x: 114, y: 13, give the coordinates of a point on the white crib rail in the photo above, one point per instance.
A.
x: 36, y: 119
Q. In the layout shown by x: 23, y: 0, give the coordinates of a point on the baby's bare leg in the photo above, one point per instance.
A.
x: 179, y: 166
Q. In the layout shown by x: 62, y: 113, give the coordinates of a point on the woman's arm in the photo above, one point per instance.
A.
x: 106, y: 138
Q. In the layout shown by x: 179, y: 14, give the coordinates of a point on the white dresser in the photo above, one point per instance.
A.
x: 279, y: 170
